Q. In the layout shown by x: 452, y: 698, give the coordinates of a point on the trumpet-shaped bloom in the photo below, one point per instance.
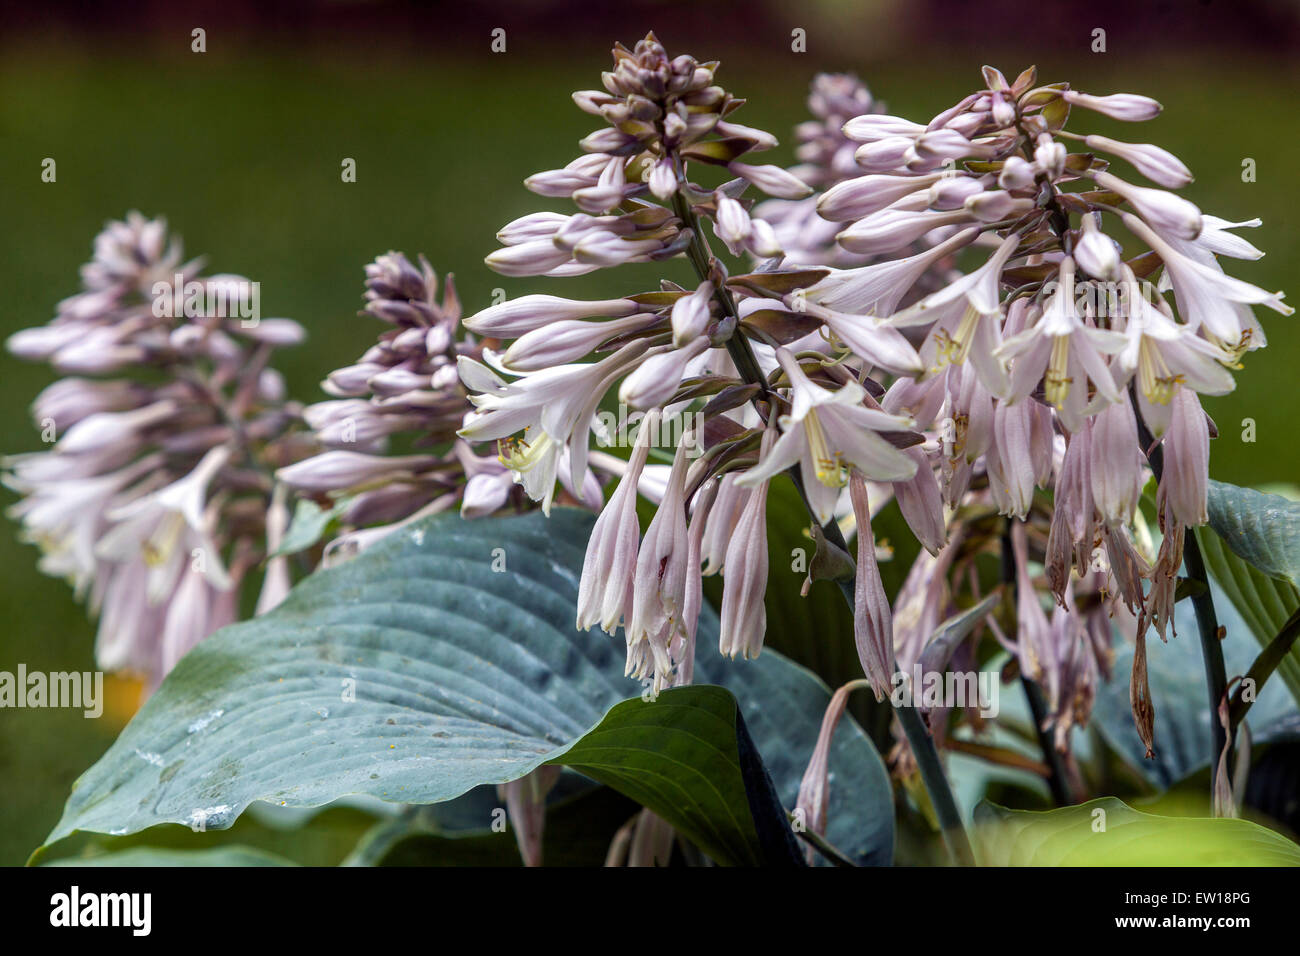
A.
x: 827, y: 434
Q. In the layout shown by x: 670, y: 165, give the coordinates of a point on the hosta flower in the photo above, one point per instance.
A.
x: 873, y: 628
x: 1067, y: 353
x: 1187, y: 457
x: 1206, y: 295
x: 552, y: 407
x: 608, y: 570
x: 961, y: 382
x: 663, y: 562
x: 409, y: 385
x: 827, y: 434
x: 744, y: 616
x: 1117, y: 463
x: 1163, y: 356
x: 153, y: 500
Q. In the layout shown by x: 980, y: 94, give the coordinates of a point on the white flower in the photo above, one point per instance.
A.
x: 877, y: 289
x: 660, y: 376
x: 690, y: 315
x: 1206, y: 296
x: 891, y: 229
x: 610, y: 563
x: 553, y: 407
x: 860, y: 197
x: 558, y: 343
x: 828, y: 433
x: 1166, y: 213
x: 515, y: 317
x: 967, y: 321
x: 773, y: 180
x: 1066, y: 353
x: 1095, y: 252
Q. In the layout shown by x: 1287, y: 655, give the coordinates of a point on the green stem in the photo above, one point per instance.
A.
x: 1262, y: 668
x: 1056, y: 778
x: 1207, y: 625
x: 918, y: 735
x: 1207, y: 621
x: 823, y: 846
x: 936, y: 784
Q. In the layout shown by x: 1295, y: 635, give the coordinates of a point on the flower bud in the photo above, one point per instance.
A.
x: 1163, y: 211
x: 1158, y: 165
x: 773, y: 180
x: 732, y: 225
x: 1128, y: 107
x: 691, y: 315
x: 1016, y: 173
x: 1096, y: 253
x: 657, y: 379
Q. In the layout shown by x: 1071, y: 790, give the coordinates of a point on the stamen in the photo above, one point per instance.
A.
x: 831, y: 469
x: 1056, y: 384
x: 1155, y: 379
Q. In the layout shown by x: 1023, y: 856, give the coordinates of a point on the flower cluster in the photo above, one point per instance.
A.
x: 155, y: 499
x: 1056, y: 362
x: 826, y: 157
x: 1078, y: 360
x: 728, y: 351
x: 404, y: 389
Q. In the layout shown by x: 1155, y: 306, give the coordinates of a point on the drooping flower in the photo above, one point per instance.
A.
x: 828, y: 434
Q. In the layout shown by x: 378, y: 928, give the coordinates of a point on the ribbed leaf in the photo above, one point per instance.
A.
x: 1255, y: 557
x: 441, y: 659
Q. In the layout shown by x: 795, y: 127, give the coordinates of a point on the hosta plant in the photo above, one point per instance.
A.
x: 969, y: 350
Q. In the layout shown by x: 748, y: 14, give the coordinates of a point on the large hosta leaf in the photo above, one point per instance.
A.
x: 1261, y: 528
x: 441, y: 659
x: 1107, y: 832
x: 1254, y: 554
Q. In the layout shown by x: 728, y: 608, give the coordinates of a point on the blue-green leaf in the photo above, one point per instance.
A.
x: 441, y: 659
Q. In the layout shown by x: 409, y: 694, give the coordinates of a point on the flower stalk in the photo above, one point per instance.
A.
x: 918, y: 736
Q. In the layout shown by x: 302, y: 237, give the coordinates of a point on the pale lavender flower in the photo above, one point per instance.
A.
x: 744, y: 614
x: 827, y: 434
x: 873, y: 630
x: 814, y: 787
x: 1117, y: 463
x: 1186, y: 459
x: 153, y: 500
x: 1158, y: 165
x: 610, y: 563
x: 660, y: 582
x: 1129, y: 107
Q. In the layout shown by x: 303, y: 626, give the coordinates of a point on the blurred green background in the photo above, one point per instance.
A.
x: 240, y: 148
